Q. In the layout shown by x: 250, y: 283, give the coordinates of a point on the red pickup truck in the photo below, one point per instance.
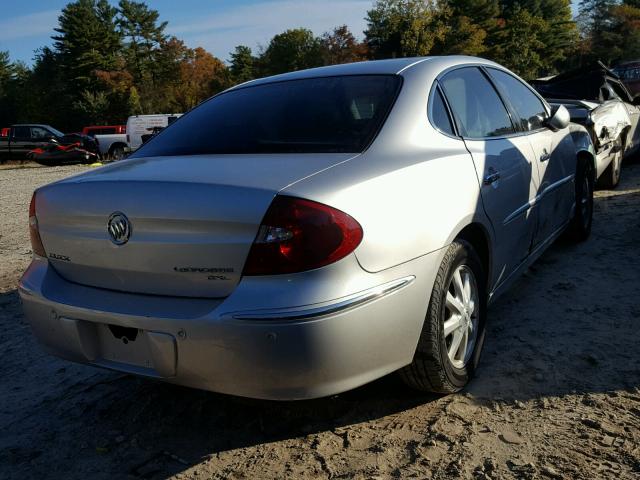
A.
x: 94, y: 130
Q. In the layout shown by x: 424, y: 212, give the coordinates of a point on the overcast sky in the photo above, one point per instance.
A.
x: 216, y: 25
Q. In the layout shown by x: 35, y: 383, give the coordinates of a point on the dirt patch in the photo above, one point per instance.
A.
x: 557, y: 394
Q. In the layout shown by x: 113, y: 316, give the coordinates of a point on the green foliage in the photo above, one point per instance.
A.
x: 143, y: 38
x: 294, y: 49
x: 472, y: 26
x: 522, y: 44
x: 462, y: 36
x: 86, y: 40
x: 401, y: 28
x: 243, y: 64
x: 93, y: 106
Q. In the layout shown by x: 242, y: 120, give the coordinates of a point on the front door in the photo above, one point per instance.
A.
x: 508, y: 179
x: 552, y: 154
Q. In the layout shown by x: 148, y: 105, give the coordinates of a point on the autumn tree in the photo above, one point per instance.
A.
x: 340, y: 46
x: 201, y: 76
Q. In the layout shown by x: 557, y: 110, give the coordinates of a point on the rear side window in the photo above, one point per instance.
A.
x: 22, y: 133
x: 476, y: 106
x: 439, y: 114
x: 316, y: 115
x: 530, y: 109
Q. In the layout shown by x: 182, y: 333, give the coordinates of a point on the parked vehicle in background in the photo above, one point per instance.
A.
x: 4, y: 132
x: 113, y: 146
x: 301, y: 235
x: 629, y: 73
x: 104, y: 130
x: 25, y: 138
x: 140, y: 125
x: 597, y: 98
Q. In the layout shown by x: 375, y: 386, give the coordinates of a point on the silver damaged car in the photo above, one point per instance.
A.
x: 301, y: 235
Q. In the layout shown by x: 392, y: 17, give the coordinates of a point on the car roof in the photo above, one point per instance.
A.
x: 394, y: 66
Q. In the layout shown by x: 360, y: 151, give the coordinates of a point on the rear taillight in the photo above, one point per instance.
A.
x: 34, y: 233
x: 298, y: 235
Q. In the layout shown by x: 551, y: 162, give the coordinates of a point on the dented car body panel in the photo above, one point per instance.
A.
x: 597, y: 99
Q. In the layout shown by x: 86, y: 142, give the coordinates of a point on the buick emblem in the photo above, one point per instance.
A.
x: 119, y: 228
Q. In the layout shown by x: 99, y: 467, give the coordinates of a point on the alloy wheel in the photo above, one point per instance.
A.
x: 461, y: 316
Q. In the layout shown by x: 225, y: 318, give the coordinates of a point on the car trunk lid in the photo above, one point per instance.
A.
x: 192, y: 220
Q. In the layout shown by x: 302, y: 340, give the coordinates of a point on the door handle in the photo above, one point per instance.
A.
x: 491, y: 178
x: 545, y: 156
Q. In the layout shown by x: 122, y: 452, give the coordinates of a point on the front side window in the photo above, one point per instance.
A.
x: 316, y: 115
x: 39, y: 133
x: 529, y: 108
x: 477, y: 108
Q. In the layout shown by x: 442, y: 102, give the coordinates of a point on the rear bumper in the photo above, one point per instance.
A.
x: 258, y: 353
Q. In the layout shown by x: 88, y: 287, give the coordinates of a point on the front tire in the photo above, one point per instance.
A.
x: 453, y: 332
x: 580, y: 226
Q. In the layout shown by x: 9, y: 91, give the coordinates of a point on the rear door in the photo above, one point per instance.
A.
x: 553, y: 153
x: 508, y: 179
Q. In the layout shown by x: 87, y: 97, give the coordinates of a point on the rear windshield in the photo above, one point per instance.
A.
x: 317, y: 115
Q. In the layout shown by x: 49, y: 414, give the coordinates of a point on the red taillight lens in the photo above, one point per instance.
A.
x: 34, y: 233
x: 298, y: 235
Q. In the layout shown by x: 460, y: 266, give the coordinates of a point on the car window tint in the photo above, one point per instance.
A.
x: 440, y: 115
x: 315, y: 115
x: 529, y: 108
x: 476, y: 105
x: 39, y: 133
x: 21, y: 133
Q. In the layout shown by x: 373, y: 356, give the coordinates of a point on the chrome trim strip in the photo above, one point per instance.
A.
x: 345, y: 303
x: 540, y: 196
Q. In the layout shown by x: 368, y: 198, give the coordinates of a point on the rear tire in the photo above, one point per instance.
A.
x: 611, y: 176
x: 117, y: 153
x: 580, y: 227
x: 438, y: 365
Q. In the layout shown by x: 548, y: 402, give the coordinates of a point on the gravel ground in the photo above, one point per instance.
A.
x: 557, y: 394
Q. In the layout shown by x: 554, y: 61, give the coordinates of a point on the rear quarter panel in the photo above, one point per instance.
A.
x: 412, y: 191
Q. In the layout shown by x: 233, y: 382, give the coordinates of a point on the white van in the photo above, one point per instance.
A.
x: 139, y: 125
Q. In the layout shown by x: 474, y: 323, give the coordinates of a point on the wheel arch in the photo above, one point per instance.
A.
x: 116, y: 145
x: 588, y: 157
x: 478, y: 236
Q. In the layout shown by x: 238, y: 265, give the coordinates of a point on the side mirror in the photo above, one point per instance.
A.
x: 559, y: 118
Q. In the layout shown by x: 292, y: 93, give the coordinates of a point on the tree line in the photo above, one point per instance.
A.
x: 108, y: 62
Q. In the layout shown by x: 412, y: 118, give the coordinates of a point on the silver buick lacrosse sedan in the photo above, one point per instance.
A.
x: 300, y: 235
